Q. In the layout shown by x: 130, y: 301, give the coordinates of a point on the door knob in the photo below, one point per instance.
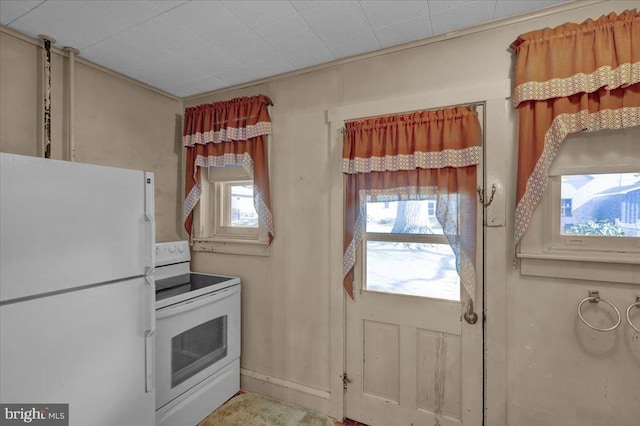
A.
x: 470, y: 316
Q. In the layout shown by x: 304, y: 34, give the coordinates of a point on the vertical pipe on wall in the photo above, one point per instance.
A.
x: 71, y: 143
x: 46, y: 61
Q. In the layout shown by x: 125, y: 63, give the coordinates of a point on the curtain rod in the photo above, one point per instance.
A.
x: 471, y: 104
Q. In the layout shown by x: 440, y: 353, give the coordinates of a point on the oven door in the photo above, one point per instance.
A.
x: 194, y: 339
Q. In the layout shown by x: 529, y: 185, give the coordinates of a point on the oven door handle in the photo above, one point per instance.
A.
x: 205, y: 299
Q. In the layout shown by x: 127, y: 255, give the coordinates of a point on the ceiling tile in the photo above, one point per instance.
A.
x: 461, y: 14
x: 109, y: 53
x: 254, y: 13
x: 11, y: 10
x: 289, y: 34
x: 384, y: 13
x: 301, y: 5
x: 197, y: 86
x: 313, y: 54
x: 209, y: 19
x: 361, y: 42
x: 333, y: 19
x: 505, y: 8
x: 166, y: 32
x: 403, y: 32
x: 124, y: 13
x: 92, y: 21
x: 168, y: 4
x: 237, y: 76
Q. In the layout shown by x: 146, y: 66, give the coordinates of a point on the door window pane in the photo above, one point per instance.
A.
x: 197, y: 348
x: 600, y: 205
x: 415, y: 269
x: 406, y: 251
x: 403, y: 217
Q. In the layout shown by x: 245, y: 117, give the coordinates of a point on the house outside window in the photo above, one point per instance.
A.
x: 606, y: 204
x: 565, y: 207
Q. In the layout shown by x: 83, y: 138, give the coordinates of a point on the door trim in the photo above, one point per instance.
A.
x: 488, y: 93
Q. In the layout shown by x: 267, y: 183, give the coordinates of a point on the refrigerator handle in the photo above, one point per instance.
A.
x: 150, y: 223
x: 149, y: 335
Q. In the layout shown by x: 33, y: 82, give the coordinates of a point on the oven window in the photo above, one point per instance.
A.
x: 198, y: 348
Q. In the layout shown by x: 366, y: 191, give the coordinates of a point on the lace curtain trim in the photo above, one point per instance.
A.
x: 424, y: 160
x: 561, y: 127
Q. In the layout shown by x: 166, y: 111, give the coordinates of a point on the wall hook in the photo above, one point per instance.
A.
x: 480, y: 192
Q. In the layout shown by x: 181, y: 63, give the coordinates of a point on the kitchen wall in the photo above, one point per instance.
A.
x: 118, y: 122
x: 543, y: 366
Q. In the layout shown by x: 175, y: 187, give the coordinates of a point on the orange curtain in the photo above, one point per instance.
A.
x: 412, y: 156
x: 569, y: 79
x: 228, y: 133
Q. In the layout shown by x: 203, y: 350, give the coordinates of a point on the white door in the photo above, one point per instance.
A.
x: 412, y: 359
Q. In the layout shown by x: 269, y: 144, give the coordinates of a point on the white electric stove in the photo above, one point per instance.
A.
x: 197, y: 338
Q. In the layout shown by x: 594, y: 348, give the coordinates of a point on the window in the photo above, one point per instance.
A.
x: 226, y: 213
x: 406, y: 252
x: 607, y: 205
x: 236, y: 214
x: 587, y: 225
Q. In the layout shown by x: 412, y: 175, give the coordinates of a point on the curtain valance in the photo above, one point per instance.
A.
x: 572, y: 78
x: 409, y: 157
x: 229, y: 133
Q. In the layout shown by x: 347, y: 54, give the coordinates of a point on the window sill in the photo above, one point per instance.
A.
x: 232, y: 246
x: 594, y: 266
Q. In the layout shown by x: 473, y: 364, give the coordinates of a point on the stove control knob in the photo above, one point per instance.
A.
x: 181, y: 248
x: 172, y: 249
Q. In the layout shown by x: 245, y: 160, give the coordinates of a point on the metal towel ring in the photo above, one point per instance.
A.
x: 637, y: 305
x: 594, y: 297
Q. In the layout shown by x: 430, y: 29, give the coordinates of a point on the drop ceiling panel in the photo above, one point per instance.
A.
x: 460, y: 14
x: 211, y: 20
x: 253, y: 13
x: 405, y: 31
x: 289, y: 34
x: 10, y: 10
x: 382, y: 14
x: 333, y: 20
x: 506, y: 8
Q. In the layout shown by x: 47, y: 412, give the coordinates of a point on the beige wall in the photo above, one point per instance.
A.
x: 117, y: 122
x: 543, y: 366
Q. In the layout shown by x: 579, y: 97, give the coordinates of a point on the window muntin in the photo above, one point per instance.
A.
x: 406, y: 252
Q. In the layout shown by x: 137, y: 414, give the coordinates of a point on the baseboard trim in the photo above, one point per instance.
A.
x: 284, y: 390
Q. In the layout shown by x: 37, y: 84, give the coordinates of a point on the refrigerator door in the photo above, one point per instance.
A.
x: 66, y: 225
x: 85, y: 348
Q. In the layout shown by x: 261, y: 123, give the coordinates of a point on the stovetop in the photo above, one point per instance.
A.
x: 191, y: 282
x: 175, y: 283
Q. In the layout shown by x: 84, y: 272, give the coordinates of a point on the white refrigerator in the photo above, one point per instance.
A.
x: 77, y: 300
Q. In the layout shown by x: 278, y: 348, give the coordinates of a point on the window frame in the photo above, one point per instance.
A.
x: 559, y: 242
x: 210, y: 234
x: 543, y: 252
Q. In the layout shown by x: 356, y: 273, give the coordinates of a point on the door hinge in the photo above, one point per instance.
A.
x: 345, y: 381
